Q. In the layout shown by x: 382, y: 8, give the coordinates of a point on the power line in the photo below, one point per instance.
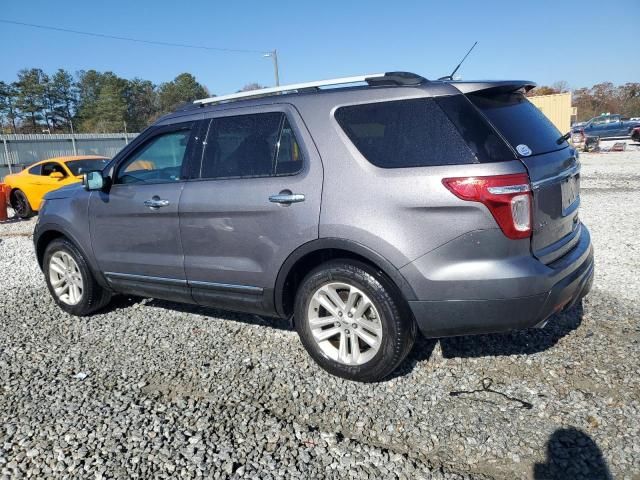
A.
x: 130, y: 39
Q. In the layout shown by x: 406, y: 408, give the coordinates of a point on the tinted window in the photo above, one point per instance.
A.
x: 78, y: 167
x: 159, y: 160
x: 49, y: 168
x: 258, y: 145
x: 288, y: 156
x: 36, y: 170
x: 519, y: 121
x: 485, y: 143
x: 405, y: 133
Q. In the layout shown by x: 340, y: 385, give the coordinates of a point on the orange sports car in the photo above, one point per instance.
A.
x: 28, y: 187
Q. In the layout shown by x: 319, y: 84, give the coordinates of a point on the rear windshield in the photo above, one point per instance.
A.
x: 404, y: 133
x: 520, y: 122
x: 479, y: 135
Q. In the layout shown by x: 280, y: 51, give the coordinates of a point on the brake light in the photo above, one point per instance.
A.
x: 508, y: 198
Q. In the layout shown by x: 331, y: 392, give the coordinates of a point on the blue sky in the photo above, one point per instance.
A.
x: 581, y: 42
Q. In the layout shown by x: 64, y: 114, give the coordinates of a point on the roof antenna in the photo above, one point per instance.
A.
x: 450, y: 77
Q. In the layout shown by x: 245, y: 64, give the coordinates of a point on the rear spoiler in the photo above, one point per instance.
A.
x: 493, y: 86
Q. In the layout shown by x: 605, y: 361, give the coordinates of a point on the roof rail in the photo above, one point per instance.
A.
x: 374, y: 79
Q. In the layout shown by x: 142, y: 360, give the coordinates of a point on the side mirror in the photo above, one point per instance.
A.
x: 93, y: 180
x: 56, y: 175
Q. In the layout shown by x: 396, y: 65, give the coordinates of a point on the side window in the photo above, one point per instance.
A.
x: 159, y: 160
x: 404, y: 133
x: 256, y: 145
x: 49, y: 168
x: 36, y: 170
x: 288, y: 157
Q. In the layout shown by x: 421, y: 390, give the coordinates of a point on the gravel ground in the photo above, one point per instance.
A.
x: 154, y: 389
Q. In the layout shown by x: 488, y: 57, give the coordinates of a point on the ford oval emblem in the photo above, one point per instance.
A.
x: 523, y: 150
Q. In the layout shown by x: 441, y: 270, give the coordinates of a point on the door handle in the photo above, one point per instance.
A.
x: 287, y: 198
x: 156, y: 202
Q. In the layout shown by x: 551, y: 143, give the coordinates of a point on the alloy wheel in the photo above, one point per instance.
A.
x: 65, y: 278
x: 20, y: 205
x: 345, y: 323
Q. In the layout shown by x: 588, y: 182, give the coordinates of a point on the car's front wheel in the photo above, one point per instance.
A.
x: 70, y: 281
x: 352, y: 321
x: 20, y: 204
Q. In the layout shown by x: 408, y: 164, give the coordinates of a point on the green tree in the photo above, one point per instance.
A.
x: 48, y: 101
x: 88, y: 88
x: 101, y: 102
x: 64, y: 98
x: 110, y: 107
x: 8, y: 111
x: 31, y: 96
x: 184, y: 88
x: 142, y: 104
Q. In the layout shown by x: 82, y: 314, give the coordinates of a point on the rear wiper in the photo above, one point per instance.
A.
x: 563, y: 138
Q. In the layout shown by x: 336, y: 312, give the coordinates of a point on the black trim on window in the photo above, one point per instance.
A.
x: 152, y: 134
x: 283, y: 122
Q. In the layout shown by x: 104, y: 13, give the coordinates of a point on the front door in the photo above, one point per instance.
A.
x: 256, y: 200
x: 44, y: 183
x: 134, y: 225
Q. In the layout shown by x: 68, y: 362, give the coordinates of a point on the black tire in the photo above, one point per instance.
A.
x: 94, y: 297
x: 398, y: 326
x: 20, y: 204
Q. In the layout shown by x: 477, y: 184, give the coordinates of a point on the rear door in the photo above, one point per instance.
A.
x: 256, y: 200
x: 553, y: 168
x: 618, y: 127
x: 134, y: 225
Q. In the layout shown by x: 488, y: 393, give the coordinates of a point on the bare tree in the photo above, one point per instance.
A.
x: 251, y: 86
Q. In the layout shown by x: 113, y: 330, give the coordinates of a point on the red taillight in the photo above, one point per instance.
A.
x: 508, y: 198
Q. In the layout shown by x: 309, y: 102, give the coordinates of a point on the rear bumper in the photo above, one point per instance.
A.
x: 565, y: 282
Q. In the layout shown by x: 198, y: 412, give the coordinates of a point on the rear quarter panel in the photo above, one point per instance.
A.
x: 400, y: 213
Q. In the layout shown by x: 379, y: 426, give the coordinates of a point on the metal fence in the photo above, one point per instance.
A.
x: 17, y: 151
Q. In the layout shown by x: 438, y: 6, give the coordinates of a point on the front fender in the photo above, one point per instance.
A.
x: 67, y: 217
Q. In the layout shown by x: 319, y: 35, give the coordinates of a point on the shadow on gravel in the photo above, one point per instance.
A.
x: 572, y: 453
x: 13, y: 220
x: 120, y: 302
x: 421, y: 352
x: 515, y: 343
x: 277, y: 323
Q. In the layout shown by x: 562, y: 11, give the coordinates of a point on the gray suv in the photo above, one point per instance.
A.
x: 362, y: 209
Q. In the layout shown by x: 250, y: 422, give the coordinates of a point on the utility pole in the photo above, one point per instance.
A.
x: 274, y: 56
x: 73, y: 139
x: 6, y: 154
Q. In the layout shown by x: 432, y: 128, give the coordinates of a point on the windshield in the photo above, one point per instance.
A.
x: 520, y: 122
x: 78, y: 167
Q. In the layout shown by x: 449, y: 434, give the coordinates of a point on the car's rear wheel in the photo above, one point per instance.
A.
x: 70, y: 281
x: 352, y: 321
x: 20, y: 204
